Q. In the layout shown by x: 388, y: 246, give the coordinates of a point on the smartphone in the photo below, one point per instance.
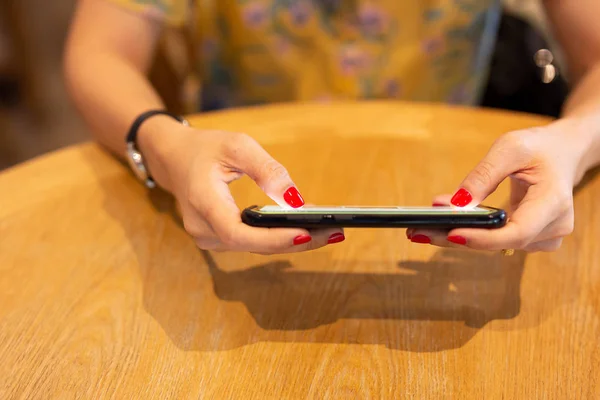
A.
x: 311, y: 217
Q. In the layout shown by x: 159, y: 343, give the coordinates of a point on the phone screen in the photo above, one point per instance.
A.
x: 375, y: 210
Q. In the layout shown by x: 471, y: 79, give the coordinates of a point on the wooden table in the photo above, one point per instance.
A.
x: 103, y: 295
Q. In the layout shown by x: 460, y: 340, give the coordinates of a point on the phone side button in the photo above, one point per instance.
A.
x: 305, y: 218
x: 343, y: 217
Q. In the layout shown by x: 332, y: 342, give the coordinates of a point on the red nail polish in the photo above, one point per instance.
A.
x: 336, y: 238
x: 408, y: 235
x: 461, y: 198
x: 457, y: 239
x: 293, y: 198
x: 420, y: 239
x: 302, y: 239
x: 439, y: 205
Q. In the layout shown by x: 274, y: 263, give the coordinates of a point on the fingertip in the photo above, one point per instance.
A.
x: 302, y: 239
x: 457, y: 239
x: 293, y: 198
x: 336, y: 237
x: 441, y: 200
x: 485, y: 239
x: 461, y: 198
x: 460, y: 232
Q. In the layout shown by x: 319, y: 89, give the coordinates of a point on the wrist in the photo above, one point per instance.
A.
x: 584, y: 131
x: 158, y: 139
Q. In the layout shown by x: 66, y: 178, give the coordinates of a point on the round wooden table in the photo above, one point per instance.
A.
x: 102, y: 293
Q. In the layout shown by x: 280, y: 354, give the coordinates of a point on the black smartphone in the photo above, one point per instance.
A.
x: 374, y: 217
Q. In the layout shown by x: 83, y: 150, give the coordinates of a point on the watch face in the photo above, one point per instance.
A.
x: 136, y: 162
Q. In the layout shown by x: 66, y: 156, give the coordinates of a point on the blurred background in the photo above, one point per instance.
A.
x: 36, y: 115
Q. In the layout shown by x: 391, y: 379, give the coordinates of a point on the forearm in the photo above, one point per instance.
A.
x: 110, y: 93
x: 582, y: 112
x: 575, y: 26
x: 108, y: 54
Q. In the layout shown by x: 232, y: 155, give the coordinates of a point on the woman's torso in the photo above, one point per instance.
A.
x: 259, y: 51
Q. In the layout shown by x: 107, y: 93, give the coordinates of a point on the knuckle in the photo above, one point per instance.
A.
x: 236, y: 142
x: 205, y: 244
x: 564, y: 201
x: 512, y: 139
x: 521, y: 243
x: 521, y: 240
x: 228, y: 237
x: 548, y: 246
x: 555, y: 245
x: 566, y: 227
x: 483, y: 174
x: 208, y: 213
x: 194, y: 228
x: 521, y: 141
x: 275, y: 170
x: 194, y: 198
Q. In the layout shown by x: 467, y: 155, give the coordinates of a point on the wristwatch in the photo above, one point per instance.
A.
x: 134, y: 156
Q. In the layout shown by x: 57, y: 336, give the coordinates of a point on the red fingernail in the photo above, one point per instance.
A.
x: 457, y: 239
x: 336, y: 238
x: 293, y: 198
x: 408, y: 235
x: 438, y: 205
x: 420, y: 239
x: 461, y: 198
x: 302, y: 239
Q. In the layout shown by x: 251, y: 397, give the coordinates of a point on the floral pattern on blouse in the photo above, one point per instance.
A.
x: 259, y: 51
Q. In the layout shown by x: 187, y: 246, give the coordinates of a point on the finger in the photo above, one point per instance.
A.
x: 441, y: 200
x: 204, y: 236
x: 214, y: 203
x: 320, y: 238
x: 430, y: 236
x: 501, y: 161
x: 544, y: 245
x: 195, y: 225
x: 208, y: 243
x: 559, y: 228
x: 272, y: 177
x: 526, y: 223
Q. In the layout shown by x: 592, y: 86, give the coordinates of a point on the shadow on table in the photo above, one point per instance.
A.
x: 216, y: 303
x: 418, y: 306
x: 453, y: 286
x: 207, y: 302
x: 422, y: 307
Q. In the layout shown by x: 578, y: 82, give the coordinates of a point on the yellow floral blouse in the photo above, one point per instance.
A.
x: 258, y: 51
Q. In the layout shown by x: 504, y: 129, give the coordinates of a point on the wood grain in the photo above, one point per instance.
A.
x: 103, y: 295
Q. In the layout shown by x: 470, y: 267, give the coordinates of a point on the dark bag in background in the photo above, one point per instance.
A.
x: 515, y: 81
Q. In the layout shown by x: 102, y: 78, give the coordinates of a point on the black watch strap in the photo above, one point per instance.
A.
x: 134, y: 156
x: 135, y: 127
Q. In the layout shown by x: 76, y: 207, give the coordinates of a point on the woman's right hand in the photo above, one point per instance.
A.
x: 197, y: 167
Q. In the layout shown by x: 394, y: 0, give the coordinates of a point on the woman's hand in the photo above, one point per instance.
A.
x: 543, y: 165
x: 197, y: 166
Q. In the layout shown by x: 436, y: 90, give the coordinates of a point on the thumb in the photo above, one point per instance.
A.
x: 269, y: 175
x: 497, y: 165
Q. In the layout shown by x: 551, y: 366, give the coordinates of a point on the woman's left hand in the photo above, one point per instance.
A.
x: 543, y: 165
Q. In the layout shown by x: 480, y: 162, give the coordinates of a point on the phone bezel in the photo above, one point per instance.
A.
x: 496, y: 218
